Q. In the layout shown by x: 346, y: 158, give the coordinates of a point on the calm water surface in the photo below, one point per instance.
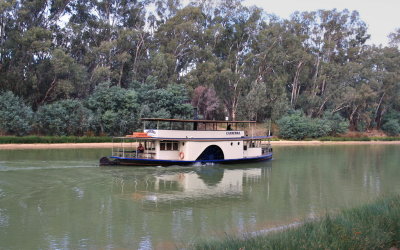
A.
x: 52, y: 199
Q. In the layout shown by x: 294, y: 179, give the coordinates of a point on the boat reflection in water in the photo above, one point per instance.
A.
x: 198, y: 183
x: 60, y: 199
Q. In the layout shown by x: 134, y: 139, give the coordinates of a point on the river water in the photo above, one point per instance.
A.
x: 61, y: 199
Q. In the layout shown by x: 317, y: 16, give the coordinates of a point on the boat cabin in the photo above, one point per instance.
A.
x: 176, y: 141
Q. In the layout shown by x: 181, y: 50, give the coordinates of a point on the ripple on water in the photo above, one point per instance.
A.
x: 5, y: 169
x: 4, y: 218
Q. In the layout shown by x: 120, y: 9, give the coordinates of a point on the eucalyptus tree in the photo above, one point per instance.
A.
x: 67, y: 78
x: 6, y: 16
x: 333, y: 38
x: 384, y: 77
x: 31, y: 41
x: 277, y: 59
x: 179, y: 42
x: 109, y: 38
x: 165, y: 10
x: 25, y: 47
x: 233, y: 50
x: 224, y: 50
x: 394, y: 38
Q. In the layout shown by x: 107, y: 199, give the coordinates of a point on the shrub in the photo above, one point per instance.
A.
x: 318, y: 128
x: 170, y: 102
x: 391, y: 127
x: 15, y: 116
x: 391, y: 115
x: 115, y: 109
x: 338, y: 124
x: 297, y: 126
x: 66, y: 117
x: 294, y: 126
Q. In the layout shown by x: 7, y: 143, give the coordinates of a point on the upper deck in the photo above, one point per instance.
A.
x: 194, y: 134
x: 197, y: 129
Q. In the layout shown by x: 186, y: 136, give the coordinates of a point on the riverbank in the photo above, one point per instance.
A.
x: 16, y: 146
x: 319, y: 143
x: 373, y: 226
x: 55, y: 145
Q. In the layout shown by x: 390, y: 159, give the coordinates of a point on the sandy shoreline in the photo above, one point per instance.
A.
x: 109, y: 144
x: 319, y: 143
x: 55, y: 145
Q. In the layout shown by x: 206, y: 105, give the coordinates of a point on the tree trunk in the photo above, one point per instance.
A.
x: 137, y: 52
x: 51, y: 88
x: 296, y: 85
x: 121, y: 71
x: 315, y: 77
x: 353, y: 124
x: 378, y: 112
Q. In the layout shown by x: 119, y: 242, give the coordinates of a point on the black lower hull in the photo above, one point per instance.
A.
x: 118, y: 161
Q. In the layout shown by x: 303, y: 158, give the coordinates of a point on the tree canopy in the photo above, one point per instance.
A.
x: 117, y: 61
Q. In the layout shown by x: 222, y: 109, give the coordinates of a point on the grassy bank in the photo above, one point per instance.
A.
x: 52, y: 139
x: 373, y: 226
x: 334, y: 139
x: 388, y: 138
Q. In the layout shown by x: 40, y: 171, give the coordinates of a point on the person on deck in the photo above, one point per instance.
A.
x: 140, y: 148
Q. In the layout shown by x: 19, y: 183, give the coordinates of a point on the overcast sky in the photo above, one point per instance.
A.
x: 381, y: 16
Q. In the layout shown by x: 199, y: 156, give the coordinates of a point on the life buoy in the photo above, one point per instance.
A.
x: 181, y: 155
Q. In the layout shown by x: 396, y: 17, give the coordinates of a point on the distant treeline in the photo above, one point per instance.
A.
x: 79, y: 67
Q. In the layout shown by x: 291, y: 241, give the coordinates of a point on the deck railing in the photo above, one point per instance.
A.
x: 266, y: 149
x: 133, y: 154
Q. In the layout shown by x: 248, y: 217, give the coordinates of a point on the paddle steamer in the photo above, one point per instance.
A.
x: 188, y: 142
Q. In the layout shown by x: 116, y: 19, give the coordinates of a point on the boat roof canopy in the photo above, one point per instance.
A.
x: 191, y: 121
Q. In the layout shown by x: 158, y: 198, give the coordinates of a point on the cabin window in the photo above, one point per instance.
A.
x: 254, y: 144
x: 169, y: 146
x: 150, y: 145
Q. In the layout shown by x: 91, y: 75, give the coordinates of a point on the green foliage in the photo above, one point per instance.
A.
x: 297, y: 126
x: 373, y: 226
x: 15, y: 116
x: 329, y: 138
x: 171, y: 102
x: 66, y: 117
x: 391, y: 122
x: 338, y: 124
x: 391, y: 115
x: 255, y: 66
x: 294, y: 126
x: 391, y: 127
x: 115, y: 109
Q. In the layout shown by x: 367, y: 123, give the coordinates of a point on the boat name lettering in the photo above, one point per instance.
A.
x: 150, y: 131
x: 233, y: 133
